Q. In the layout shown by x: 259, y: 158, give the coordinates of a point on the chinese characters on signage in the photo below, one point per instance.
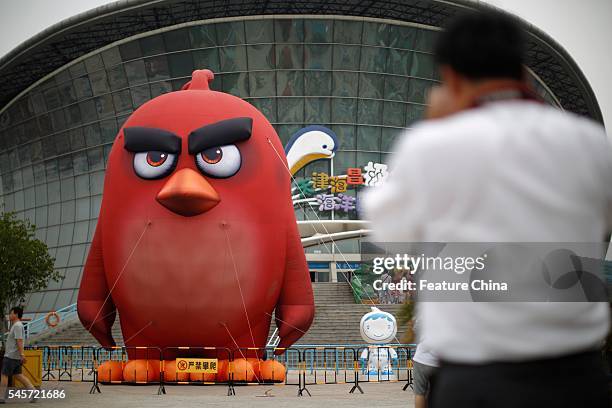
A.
x: 330, y: 191
x: 328, y: 202
x: 196, y: 365
x: 374, y: 173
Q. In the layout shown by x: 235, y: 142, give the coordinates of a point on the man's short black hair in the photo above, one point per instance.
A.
x: 483, y: 45
x: 18, y: 310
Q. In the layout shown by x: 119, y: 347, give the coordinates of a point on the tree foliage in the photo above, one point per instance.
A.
x: 25, y: 263
x: 405, y: 317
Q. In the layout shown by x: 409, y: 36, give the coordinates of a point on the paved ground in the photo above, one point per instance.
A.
x: 376, y: 395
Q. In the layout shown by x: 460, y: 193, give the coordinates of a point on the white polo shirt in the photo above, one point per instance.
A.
x: 508, y: 171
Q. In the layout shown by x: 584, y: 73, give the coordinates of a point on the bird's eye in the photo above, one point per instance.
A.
x: 212, y: 155
x: 153, y: 165
x: 219, y: 161
x: 156, y: 159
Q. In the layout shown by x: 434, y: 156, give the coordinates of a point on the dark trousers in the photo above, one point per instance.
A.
x: 572, y: 381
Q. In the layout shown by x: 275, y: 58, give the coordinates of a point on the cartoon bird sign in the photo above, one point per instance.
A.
x: 309, y: 144
x: 196, y: 242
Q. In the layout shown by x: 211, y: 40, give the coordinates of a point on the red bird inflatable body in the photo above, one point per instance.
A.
x: 196, y: 243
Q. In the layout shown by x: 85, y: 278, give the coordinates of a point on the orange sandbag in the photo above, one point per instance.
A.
x: 110, y: 371
x: 243, y: 371
x: 272, y: 370
x: 170, y: 374
x: 141, y: 371
x: 196, y: 377
x: 220, y: 376
x: 256, y: 364
x: 222, y: 372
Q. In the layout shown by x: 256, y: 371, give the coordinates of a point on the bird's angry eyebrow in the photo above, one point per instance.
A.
x: 219, y: 134
x: 144, y: 139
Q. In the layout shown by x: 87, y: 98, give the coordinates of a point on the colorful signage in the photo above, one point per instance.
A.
x: 323, y: 191
x: 328, y: 193
x: 196, y: 365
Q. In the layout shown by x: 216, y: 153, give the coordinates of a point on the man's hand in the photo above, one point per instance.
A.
x: 23, y: 359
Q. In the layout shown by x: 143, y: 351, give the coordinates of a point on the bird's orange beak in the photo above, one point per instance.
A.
x: 188, y: 193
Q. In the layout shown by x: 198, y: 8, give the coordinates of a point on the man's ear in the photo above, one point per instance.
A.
x: 442, y: 99
x: 453, y: 81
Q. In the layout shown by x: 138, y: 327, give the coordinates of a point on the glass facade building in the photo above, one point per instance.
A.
x: 363, y: 78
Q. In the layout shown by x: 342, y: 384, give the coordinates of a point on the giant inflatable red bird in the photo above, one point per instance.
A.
x: 196, y: 243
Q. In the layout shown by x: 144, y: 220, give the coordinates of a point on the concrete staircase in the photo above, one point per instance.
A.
x: 336, y: 321
x: 327, y: 293
x: 73, y: 333
x: 337, y: 316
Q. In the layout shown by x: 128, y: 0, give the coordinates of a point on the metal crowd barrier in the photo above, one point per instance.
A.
x: 67, y: 363
x: 348, y: 365
x: 329, y: 365
x: 266, y: 367
x: 174, y: 356
x: 398, y: 358
x: 153, y: 372
x: 292, y: 360
x: 300, y: 366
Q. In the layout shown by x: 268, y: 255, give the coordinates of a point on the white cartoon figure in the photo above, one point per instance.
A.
x: 378, y: 328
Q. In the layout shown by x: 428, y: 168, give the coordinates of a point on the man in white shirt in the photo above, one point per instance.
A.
x: 493, y: 164
x: 14, y: 355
